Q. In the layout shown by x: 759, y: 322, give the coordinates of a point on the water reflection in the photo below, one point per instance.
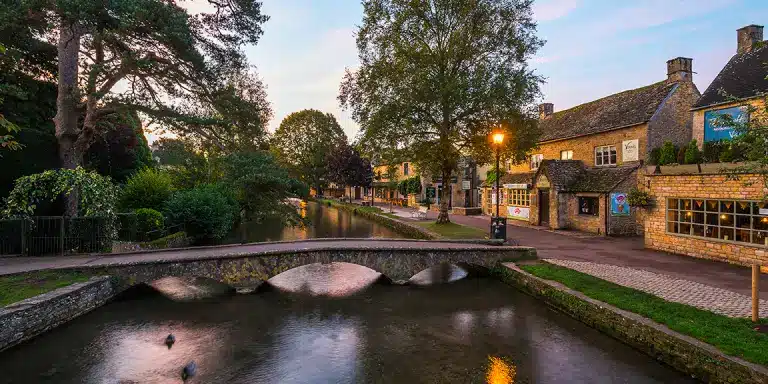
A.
x: 334, y: 279
x: 190, y: 288
x: 385, y: 335
x: 325, y: 222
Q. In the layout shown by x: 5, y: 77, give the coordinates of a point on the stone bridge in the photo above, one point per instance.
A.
x: 250, y: 265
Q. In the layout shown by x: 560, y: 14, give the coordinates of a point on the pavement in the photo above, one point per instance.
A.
x: 11, y: 265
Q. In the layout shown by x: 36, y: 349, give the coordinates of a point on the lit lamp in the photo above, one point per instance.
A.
x: 498, y: 139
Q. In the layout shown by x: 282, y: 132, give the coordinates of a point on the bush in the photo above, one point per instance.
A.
x: 205, y: 212
x: 711, y: 150
x: 638, y: 198
x: 692, y: 153
x: 149, y: 223
x: 668, y: 154
x: 148, y: 188
x: 681, y: 155
x: 654, y: 156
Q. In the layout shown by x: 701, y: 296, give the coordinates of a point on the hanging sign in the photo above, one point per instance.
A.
x: 619, y: 204
x: 466, y: 185
x: 630, y: 150
x: 714, y: 131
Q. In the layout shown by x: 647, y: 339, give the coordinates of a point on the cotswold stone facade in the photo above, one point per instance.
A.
x: 659, y: 231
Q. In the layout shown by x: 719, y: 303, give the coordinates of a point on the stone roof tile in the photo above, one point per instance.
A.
x: 743, y: 77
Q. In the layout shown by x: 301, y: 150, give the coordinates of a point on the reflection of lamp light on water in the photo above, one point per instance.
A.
x: 500, y: 371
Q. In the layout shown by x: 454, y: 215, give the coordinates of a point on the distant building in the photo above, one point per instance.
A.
x: 588, y: 156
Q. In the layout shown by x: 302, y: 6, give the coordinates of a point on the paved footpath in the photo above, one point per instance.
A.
x: 24, y: 264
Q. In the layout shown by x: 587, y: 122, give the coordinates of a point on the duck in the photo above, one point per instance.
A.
x: 189, y: 370
x: 170, y: 340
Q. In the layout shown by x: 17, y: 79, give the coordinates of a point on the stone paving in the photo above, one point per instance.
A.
x: 696, y: 294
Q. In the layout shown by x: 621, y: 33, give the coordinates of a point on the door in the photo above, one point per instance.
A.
x: 544, y: 207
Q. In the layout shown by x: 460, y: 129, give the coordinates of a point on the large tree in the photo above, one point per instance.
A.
x: 347, y: 168
x: 150, y: 56
x: 436, y: 77
x: 303, y: 141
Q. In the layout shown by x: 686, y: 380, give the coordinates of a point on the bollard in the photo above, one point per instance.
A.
x: 755, y: 293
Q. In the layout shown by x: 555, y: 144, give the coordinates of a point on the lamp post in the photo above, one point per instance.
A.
x: 498, y: 139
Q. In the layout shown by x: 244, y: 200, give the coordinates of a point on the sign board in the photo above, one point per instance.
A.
x: 431, y: 192
x: 516, y: 186
x: 466, y: 185
x: 493, y: 196
x: 763, y: 211
x: 543, y: 182
x: 714, y: 130
x: 519, y: 212
x: 630, y: 150
x: 619, y: 204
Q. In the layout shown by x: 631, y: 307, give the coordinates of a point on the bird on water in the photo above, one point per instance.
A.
x: 189, y: 370
x: 170, y: 340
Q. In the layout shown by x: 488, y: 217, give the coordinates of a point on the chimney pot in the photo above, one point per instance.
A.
x: 546, y: 110
x: 680, y: 69
x: 747, y: 37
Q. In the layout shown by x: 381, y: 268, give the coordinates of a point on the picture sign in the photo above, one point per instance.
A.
x: 519, y: 212
x: 465, y: 185
x: 714, y: 131
x: 619, y: 204
x: 630, y: 150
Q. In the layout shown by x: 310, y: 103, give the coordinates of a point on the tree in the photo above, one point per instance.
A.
x: 120, y: 148
x: 692, y: 153
x: 159, y: 54
x: 668, y: 154
x: 436, y: 77
x: 302, y: 142
x: 347, y: 168
x: 170, y: 151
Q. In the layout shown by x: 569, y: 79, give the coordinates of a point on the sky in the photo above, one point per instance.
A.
x: 594, y: 48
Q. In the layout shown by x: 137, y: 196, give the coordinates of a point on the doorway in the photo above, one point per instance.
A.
x: 544, y: 207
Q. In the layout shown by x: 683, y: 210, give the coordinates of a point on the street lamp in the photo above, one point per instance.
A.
x: 498, y: 139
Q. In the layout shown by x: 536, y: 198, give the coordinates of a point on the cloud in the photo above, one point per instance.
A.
x: 553, y: 9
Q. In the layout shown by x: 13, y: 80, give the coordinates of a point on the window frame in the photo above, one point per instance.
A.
x: 595, y: 207
x: 537, y: 159
x: 518, y: 197
x: 604, y: 152
x: 568, y: 152
x: 680, y: 217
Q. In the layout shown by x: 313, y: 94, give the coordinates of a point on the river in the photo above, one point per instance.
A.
x: 451, y: 333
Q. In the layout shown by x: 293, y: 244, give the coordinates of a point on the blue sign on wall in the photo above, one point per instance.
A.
x: 714, y: 131
x: 619, y: 204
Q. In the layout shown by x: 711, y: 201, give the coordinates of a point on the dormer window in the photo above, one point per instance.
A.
x: 536, y: 161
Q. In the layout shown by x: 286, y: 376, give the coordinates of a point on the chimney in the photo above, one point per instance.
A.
x: 748, y: 36
x: 546, y: 110
x: 680, y: 69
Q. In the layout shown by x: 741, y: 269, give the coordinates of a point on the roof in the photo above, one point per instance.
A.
x: 603, y: 179
x: 743, y: 78
x: 561, y: 172
x: 623, y: 109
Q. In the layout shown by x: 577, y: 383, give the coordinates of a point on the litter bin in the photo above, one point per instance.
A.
x: 499, y: 228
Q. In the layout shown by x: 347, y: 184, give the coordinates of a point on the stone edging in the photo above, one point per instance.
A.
x: 684, y: 353
x: 398, y: 226
x: 28, y: 318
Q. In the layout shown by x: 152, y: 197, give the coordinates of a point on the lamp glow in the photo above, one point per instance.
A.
x: 498, y: 138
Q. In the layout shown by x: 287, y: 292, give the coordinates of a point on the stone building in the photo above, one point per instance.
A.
x: 712, y: 210
x: 592, y: 154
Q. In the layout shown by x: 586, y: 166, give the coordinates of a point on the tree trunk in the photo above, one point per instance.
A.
x: 442, y: 217
x: 67, y: 130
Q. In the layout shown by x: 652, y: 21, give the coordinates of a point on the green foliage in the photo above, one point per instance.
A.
x: 668, y: 154
x: 733, y: 336
x: 692, y: 153
x: 121, y: 148
x: 174, y: 240
x: 490, y: 176
x: 454, y: 231
x: 148, y: 188
x: 654, y: 156
x: 681, y: 155
x: 149, y: 223
x: 711, y: 150
x: 196, y: 170
x: 174, y: 152
x: 638, y: 198
x: 14, y: 288
x: 413, y: 185
x: 302, y: 142
x: 733, y: 151
x: 97, y: 193
x: 205, y: 212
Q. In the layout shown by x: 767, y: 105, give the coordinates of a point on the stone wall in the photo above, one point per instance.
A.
x: 713, y: 186
x: 586, y: 223
x: 626, y: 225
x: 28, y: 318
x: 673, y: 121
x: 584, y: 147
x: 686, y: 354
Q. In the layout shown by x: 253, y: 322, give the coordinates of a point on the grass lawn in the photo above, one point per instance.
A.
x: 454, y: 231
x: 19, y: 287
x: 732, y: 336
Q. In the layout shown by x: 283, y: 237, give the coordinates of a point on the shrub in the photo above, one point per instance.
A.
x: 711, y: 150
x: 148, y: 188
x: 681, y: 155
x: 205, y: 212
x: 654, y: 156
x: 149, y: 223
x: 638, y: 198
x: 692, y: 153
x: 732, y: 152
x: 668, y: 153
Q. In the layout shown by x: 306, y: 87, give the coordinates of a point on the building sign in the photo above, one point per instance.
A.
x: 619, y: 204
x: 714, y: 131
x: 519, y: 212
x: 516, y: 186
x: 431, y: 192
x: 466, y: 184
x: 493, y: 196
x: 630, y: 150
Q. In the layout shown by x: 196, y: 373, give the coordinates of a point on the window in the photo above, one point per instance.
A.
x: 518, y: 197
x: 605, y: 155
x: 736, y: 221
x: 589, y: 206
x: 405, y: 169
x: 536, y: 161
x: 566, y: 155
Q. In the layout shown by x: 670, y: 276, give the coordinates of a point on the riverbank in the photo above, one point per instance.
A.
x: 676, y: 334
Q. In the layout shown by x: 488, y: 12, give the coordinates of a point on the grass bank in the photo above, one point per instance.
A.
x: 23, y: 286
x: 734, y: 337
x: 454, y: 231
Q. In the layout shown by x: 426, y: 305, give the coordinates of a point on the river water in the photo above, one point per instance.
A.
x: 470, y: 331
